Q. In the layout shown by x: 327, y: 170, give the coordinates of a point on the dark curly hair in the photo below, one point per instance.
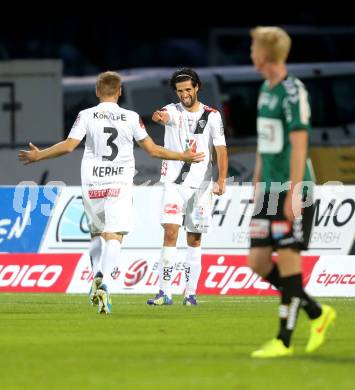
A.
x: 185, y: 74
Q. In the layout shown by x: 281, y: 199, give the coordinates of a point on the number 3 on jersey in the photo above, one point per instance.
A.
x: 110, y: 142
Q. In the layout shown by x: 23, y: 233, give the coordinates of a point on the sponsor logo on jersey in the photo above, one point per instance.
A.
x: 259, y: 228
x: 106, y: 193
x: 202, y: 123
x: 193, y: 144
x: 170, y: 208
x: 280, y: 229
x: 268, y: 100
x: 199, y: 211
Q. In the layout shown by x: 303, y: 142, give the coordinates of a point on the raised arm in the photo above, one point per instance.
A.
x: 157, y: 151
x: 35, y: 154
x: 222, y: 164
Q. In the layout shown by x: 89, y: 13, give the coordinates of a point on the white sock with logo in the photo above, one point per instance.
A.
x: 192, y: 269
x: 110, y: 262
x: 166, y: 267
x: 97, y: 244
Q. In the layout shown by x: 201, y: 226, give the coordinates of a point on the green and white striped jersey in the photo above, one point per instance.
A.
x: 281, y: 109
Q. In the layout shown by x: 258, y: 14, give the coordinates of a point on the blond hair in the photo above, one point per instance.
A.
x: 108, y: 83
x: 275, y: 41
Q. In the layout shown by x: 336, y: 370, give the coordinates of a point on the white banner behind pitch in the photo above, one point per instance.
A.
x: 333, y: 230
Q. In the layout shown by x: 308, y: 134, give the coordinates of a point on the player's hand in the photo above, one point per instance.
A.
x: 219, y: 187
x: 292, y: 206
x: 29, y: 156
x: 190, y: 157
x: 161, y: 117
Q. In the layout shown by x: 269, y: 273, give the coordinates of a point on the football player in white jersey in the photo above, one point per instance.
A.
x: 188, y: 189
x: 107, y: 171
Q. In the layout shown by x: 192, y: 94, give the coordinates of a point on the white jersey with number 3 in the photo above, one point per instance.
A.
x: 109, y: 131
x: 180, y: 135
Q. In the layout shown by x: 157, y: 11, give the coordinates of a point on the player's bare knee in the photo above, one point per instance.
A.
x: 252, y: 263
x: 261, y: 266
x: 194, y: 239
x: 112, y: 236
x: 170, y: 235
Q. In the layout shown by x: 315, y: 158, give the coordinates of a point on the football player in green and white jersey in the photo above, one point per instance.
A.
x: 283, y: 213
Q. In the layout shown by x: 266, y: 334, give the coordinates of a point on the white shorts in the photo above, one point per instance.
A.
x: 108, y: 208
x: 193, y: 204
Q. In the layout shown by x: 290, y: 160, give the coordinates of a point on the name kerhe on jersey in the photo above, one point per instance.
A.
x: 109, y: 115
x: 106, y: 171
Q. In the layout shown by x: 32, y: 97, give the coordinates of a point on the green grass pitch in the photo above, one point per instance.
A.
x: 57, y: 341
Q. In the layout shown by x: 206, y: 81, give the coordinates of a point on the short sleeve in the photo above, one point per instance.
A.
x: 139, y: 131
x: 173, y: 114
x: 78, y: 131
x: 217, y: 129
x: 296, y: 108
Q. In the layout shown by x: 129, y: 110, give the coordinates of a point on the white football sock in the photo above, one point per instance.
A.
x: 97, y: 244
x: 166, y: 267
x: 110, y: 262
x: 192, y: 269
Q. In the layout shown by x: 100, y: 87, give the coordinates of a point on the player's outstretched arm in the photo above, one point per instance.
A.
x: 161, y: 117
x: 157, y: 151
x: 35, y: 154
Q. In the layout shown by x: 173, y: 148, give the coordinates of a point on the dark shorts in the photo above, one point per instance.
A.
x: 269, y: 226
